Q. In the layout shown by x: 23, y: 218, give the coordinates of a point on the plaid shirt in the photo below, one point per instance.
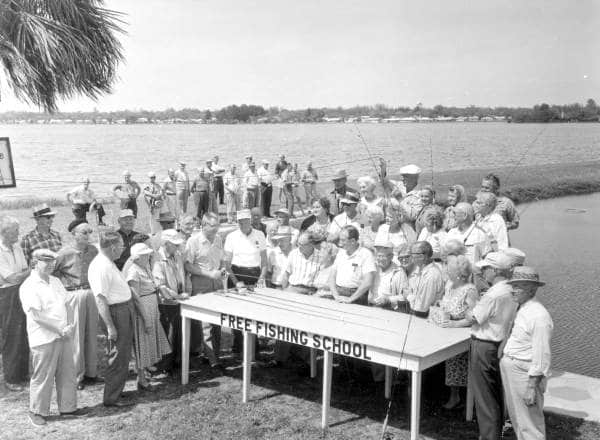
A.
x: 36, y: 240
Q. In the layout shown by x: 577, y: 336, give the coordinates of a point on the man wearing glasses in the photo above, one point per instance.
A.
x: 426, y: 283
x: 71, y: 268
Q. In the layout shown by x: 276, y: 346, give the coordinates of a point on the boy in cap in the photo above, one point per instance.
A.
x: 42, y: 237
x: 526, y: 361
x: 491, y: 318
x: 50, y: 339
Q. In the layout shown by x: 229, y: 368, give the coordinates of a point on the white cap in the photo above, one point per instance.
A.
x: 410, y: 169
x: 151, y: 174
x: 243, y: 214
x: 383, y: 243
x: 172, y: 236
x: 126, y: 213
x: 140, y: 249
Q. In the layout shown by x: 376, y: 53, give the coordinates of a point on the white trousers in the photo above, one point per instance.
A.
x: 53, y: 363
x: 528, y: 421
x: 84, y: 315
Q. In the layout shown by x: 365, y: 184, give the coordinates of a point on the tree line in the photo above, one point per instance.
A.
x: 233, y: 114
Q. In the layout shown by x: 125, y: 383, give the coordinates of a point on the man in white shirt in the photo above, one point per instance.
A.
x: 50, y: 337
x: 526, y: 361
x: 490, y: 221
x: 115, y: 306
x: 13, y: 271
x: 245, y: 259
x: 231, y: 182
x: 350, y: 216
x: 278, y: 256
x: 182, y: 189
x: 426, y: 282
x: 84, y: 200
x: 251, y: 181
x: 491, y: 318
x: 304, y: 264
x: 353, y: 270
x: 475, y: 239
x: 266, y: 187
x: 170, y: 191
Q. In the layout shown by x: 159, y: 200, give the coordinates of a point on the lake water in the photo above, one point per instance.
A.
x: 557, y: 236
x: 51, y: 158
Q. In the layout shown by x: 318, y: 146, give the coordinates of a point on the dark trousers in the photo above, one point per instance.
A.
x: 130, y: 203
x: 249, y: 276
x: 119, y: 351
x: 487, y: 388
x: 220, y: 189
x: 170, y: 319
x: 205, y: 337
x: 80, y: 211
x: 14, y: 345
x: 266, y: 194
x: 202, y: 204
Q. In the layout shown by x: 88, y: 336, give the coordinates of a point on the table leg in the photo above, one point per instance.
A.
x: 313, y: 363
x: 327, y: 367
x: 389, y: 374
x: 185, y: 349
x: 248, y: 343
x: 415, y: 405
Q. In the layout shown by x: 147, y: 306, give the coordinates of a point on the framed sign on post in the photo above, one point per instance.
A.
x: 7, y: 170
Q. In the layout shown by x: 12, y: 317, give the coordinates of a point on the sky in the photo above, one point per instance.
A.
x: 322, y: 53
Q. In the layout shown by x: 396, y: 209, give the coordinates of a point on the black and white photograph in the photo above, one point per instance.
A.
x: 299, y: 220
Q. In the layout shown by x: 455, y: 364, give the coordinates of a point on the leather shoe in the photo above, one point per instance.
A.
x: 80, y: 386
x: 92, y: 380
x: 118, y: 404
x: 76, y: 413
x: 142, y: 387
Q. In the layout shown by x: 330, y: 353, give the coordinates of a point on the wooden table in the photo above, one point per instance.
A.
x: 393, y: 339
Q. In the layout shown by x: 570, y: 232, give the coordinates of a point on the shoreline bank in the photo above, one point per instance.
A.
x: 521, y: 183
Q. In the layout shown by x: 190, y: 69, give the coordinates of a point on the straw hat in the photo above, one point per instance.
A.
x: 525, y: 274
x: 350, y: 199
x: 43, y: 210
x: 44, y: 255
x: 339, y: 174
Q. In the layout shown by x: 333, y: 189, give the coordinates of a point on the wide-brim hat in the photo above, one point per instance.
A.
x: 516, y: 255
x: 339, y: 174
x: 43, y: 210
x: 172, y: 236
x: 350, y: 199
x: 525, y: 274
x: 283, y: 211
x: 166, y: 217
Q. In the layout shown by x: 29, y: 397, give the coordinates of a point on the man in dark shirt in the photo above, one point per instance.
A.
x: 126, y: 225
x: 340, y: 188
x: 256, y: 221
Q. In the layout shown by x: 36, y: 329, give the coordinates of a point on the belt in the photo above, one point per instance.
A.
x: 201, y: 191
x: 266, y: 184
x: 305, y: 287
x: 121, y: 304
x: 82, y: 287
x: 484, y: 340
x: 346, y: 291
x: 419, y: 314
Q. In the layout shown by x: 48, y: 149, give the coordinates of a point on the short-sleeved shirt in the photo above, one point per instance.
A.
x: 48, y: 299
x: 435, y: 239
x: 107, y: 280
x: 303, y: 271
x: 251, y: 179
x: 37, y: 240
x: 231, y: 182
x: 341, y: 220
x: 142, y: 280
x: 426, y: 287
x: 200, y: 252
x: 391, y: 282
x: 80, y: 195
x: 12, y: 260
x: 245, y: 249
x: 494, y: 313
x: 493, y: 224
x: 277, y: 262
x: 529, y: 340
x: 351, y: 269
x: 182, y: 180
x: 406, y: 234
x: 131, y: 189
x: 309, y: 176
x: 169, y: 186
x: 265, y: 176
x: 476, y: 241
x: 72, y: 266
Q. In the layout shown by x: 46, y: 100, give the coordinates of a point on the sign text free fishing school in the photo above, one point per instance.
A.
x: 300, y: 337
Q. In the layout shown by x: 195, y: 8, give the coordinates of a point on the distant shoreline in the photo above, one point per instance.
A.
x: 522, y: 184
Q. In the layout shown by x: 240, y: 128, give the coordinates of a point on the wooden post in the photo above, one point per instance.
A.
x: 313, y: 363
x: 327, y: 366
x: 247, y: 366
x: 389, y: 375
x: 415, y: 405
x: 185, y: 349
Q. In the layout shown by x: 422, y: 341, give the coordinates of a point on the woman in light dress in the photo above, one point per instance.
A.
x: 368, y: 198
x: 456, y: 194
x: 459, y: 297
x: 150, y: 341
x: 373, y: 219
x: 398, y: 231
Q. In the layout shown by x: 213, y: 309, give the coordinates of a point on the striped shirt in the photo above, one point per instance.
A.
x: 303, y: 271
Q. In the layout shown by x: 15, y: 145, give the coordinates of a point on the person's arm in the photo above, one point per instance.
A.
x: 332, y: 285
x: 104, y: 313
x: 285, y: 279
x: 115, y: 189
x: 365, y: 284
x: 137, y: 189
x: 232, y: 277
x: 201, y: 271
x: 540, y: 360
x: 133, y: 285
x: 263, y: 269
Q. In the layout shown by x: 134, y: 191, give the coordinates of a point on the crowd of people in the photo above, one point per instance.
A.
x: 387, y: 244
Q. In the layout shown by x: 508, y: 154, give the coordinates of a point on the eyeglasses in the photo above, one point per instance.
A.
x: 86, y: 232
x: 403, y: 257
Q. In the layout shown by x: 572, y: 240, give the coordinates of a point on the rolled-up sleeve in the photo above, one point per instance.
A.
x: 540, y: 344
